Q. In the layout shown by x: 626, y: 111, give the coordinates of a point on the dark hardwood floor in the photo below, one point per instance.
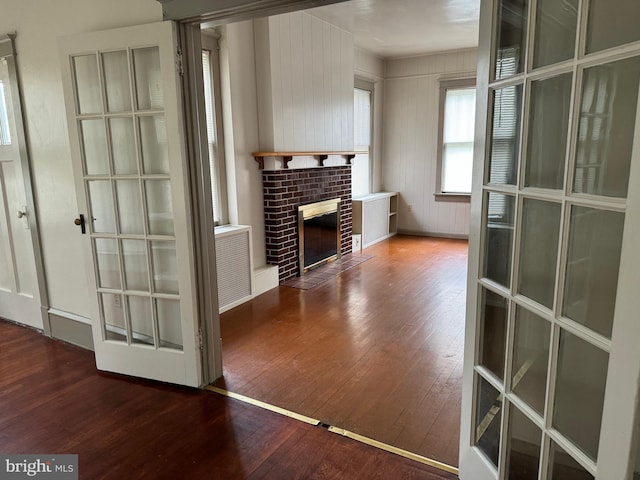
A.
x: 377, y: 350
x: 52, y: 400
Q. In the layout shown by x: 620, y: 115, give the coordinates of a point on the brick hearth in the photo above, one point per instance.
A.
x: 284, y: 192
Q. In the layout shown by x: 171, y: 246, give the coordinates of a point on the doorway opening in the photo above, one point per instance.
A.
x: 297, y: 314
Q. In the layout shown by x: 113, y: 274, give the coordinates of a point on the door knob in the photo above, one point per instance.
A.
x: 22, y: 214
x: 80, y: 222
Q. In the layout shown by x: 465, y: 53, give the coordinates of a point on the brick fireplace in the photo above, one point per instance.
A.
x: 287, y: 189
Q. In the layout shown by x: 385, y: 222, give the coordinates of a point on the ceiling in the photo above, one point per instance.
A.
x: 397, y: 28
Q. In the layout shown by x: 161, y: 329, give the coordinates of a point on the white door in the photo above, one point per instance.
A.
x: 19, y: 288
x: 551, y: 357
x: 124, y: 114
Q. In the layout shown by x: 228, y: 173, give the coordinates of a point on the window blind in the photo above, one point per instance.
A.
x: 360, y: 171
x: 457, y: 139
x: 5, y: 136
x: 362, y: 119
x: 211, y: 135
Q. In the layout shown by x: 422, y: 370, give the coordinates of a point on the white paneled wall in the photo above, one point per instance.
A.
x: 305, y: 84
x: 410, y: 141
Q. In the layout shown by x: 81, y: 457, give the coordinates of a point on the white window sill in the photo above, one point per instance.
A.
x: 453, y: 197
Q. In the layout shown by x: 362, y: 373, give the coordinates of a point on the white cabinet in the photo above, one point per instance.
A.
x: 375, y: 216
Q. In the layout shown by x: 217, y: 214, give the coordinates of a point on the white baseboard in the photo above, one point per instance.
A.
x: 434, y: 234
x: 71, y: 328
x: 235, y: 304
x: 264, y: 279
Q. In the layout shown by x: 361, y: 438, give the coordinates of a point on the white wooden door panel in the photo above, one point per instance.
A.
x: 19, y: 289
x: 123, y: 102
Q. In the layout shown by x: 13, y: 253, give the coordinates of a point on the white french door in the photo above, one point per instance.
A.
x: 123, y: 102
x: 551, y: 358
x: 19, y: 287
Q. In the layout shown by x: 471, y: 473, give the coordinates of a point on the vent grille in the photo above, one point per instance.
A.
x: 233, y: 258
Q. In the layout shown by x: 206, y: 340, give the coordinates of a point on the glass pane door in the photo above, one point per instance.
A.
x: 126, y: 173
x: 552, y: 215
x: 122, y: 106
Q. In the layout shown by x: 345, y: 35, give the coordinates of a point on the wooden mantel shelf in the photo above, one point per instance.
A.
x: 288, y: 156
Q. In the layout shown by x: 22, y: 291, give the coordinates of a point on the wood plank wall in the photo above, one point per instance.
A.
x: 305, y: 85
x: 411, y: 136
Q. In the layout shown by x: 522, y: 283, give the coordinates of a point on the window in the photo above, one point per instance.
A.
x: 457, y: 119
x: 5, y: 136
x: 211, y: 75
x: 362, y: 137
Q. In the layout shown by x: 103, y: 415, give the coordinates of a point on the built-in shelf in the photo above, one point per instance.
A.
x: 375, y: 216
x: 288, y: 156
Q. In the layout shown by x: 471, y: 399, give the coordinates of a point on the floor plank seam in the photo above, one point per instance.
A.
x: 337, y: 430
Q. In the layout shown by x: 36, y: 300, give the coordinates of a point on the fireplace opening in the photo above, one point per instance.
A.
x: 318, y: 233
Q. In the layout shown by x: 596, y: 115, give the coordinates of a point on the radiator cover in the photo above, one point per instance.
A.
x: 233, y: 265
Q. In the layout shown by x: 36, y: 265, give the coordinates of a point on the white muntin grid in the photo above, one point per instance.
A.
x: 567, y: 200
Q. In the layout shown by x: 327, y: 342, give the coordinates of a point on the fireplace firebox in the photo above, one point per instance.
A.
x: 318, y: 233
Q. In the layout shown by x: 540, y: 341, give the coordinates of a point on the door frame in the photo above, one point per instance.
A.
x: 198, y: 170
x: 196, y: 12
x: 8, y: 52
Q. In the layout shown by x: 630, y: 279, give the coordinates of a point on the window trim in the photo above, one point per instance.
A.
x: 210, y: 42
x: 445, y: 85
